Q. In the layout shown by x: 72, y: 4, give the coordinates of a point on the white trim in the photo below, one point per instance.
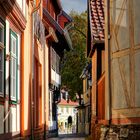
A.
x: 7, y: 62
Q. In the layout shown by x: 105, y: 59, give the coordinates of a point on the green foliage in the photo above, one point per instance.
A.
x: 75, y: 60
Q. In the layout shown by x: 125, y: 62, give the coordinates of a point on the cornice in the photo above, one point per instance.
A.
x: 14, y: 13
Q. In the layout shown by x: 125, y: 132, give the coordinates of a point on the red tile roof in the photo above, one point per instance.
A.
x: 70, y: 103
x: 97, y: 19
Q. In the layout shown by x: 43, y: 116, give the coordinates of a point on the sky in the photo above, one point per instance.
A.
x: 76, y: 5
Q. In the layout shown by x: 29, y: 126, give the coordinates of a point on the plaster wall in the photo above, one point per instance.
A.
x: 27, y: 68
x: 125, y: 56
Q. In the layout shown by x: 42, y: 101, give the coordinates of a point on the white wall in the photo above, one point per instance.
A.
x: 21, y: 4
x: 55, y: 77
x: 14, y: 112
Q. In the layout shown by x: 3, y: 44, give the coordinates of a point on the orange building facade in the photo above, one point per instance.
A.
x: 27, y: 35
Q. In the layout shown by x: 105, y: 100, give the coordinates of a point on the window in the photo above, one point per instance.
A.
x: 100, y: 62
x: 57, y: 64
x: 62, y: 109
x: 53, y: 59
x: 2, y: 35
x: 13, y: 66
x: 2, y: 71
x: 67, y: 110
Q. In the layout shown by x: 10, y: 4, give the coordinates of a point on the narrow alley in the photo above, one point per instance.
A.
x: 68, y: 137
x: 69, y: 70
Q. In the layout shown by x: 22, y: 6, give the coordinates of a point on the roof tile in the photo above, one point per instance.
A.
x: 97, y: 19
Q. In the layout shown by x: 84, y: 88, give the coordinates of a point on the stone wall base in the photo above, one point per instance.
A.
x: 115, y: 132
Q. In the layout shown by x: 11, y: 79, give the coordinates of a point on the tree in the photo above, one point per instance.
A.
x: 75, y: 60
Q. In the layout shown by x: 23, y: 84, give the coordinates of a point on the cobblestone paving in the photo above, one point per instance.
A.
x: 66, y: 139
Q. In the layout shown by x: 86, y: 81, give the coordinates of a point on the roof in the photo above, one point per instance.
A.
x: 52, y: 21
x: 66, y: 15
x: 63, y: 35
x: 70, y: 103
x: 96, y: 13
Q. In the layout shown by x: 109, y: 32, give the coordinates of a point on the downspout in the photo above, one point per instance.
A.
x: 108, y: 62
x: 32, y: 62
x: 44, y: 54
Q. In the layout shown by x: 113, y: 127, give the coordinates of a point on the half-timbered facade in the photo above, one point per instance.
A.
x: 12, y: 25
x: 115, y: 71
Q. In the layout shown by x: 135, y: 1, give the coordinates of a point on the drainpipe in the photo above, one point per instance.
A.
x: 108, y: 66
x: 44, y: 54
x: 32, y: 62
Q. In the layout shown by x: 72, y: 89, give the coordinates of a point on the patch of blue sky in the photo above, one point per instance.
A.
x: 76, y: 5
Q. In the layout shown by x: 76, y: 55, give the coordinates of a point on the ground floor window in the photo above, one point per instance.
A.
x: 2, y: 38
x: 13, y: 65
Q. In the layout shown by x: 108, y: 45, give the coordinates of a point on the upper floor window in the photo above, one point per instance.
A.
x: 67, y: 110
x: 57, y: 64
x: 55, y: 61
x: 2, y: 35
x: 22, y: 5
x: 13, y: 65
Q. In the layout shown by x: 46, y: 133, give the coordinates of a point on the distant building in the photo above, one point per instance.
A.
x: 84, y: 110
x: 66, y: 114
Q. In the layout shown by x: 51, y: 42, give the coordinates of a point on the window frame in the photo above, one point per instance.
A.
x: 2, y: 47
x: 14, y: 56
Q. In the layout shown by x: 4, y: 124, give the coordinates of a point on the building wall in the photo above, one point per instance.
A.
x: 26, y: 65
x: 125, y: 56
x: 9, y: 108
x: 64, y: 111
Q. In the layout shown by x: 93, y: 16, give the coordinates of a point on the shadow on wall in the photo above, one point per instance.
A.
x: 6, y: 7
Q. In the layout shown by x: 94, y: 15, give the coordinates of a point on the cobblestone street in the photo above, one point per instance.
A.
x: 66, y: 139
x: 69, y: 137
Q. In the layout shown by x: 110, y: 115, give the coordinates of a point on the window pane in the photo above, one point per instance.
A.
x: 1, y: 79
x: 13, y: 77
x: 1, y: 59
x: 13, y: 44
x: 13, y: 66
x: 11, y: 84
x: 14, y: 87
x: 1, y: 70
x: 1, y: 34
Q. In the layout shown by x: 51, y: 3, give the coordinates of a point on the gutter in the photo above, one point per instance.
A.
x: 32, y: 67
x: 63, y: 32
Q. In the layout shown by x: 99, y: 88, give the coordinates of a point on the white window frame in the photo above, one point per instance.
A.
x: 13, y: 68
x: 2, y: 49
